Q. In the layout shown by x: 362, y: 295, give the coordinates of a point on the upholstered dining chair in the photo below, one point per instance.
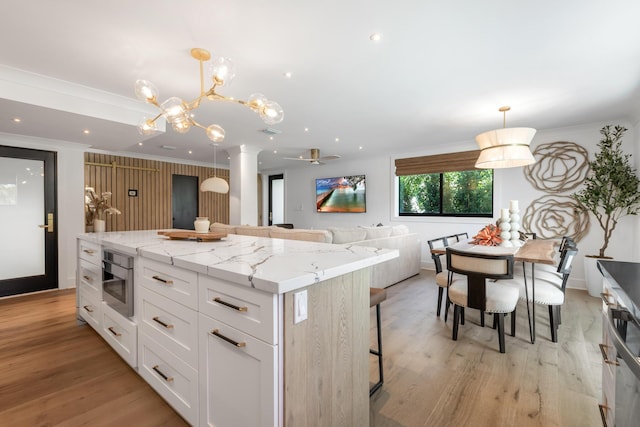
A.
x: 550, y: 287
x: 496, y: 297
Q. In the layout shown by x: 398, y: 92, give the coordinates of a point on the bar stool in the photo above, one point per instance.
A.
x: 376, y: 296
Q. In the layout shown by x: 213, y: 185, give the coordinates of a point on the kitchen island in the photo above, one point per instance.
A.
x: 245, y: 330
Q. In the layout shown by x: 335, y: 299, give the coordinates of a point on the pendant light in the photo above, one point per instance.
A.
x: 506, y: 147
x: 215, y: 184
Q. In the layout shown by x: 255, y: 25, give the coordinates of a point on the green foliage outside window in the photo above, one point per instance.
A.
x: 468, y: 193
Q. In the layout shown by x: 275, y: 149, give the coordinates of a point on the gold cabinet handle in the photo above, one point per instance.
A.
x: 228, y: 304
x: 217, y: 333
x: 117, y: 334
x: 88, y: 278
x: 159, y: 372
x: 88, y: 251
x: 605, y: 298
x: 160, y: 279
x: 605, y: 358
x: 86, y: 307
x: 166, y: 325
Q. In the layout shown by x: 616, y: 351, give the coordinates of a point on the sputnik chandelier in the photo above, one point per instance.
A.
x: 180, y: 113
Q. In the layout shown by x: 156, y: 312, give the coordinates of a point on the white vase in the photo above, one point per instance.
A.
x: 592, y: 276
x: 99, y: 225
x: 201, y: 224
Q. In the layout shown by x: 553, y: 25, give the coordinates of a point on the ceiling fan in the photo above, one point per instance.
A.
x: 315, y: 158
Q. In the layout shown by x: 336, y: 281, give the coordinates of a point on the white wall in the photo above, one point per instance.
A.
x: 509, y: 184
x: 70, y: 166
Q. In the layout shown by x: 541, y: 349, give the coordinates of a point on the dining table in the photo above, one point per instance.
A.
x: 532, y: 251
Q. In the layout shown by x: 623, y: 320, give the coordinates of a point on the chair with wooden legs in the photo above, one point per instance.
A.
x: 376, y: 296
x: 479, y: 293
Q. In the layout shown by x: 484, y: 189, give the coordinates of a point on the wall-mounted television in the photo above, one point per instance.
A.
x: 341, y: 194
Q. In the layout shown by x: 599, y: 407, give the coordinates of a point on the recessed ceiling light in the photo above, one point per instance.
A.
x: 375, y: 37
x: 360, y: 147
x: 17, y: 119
x: 306, y: 129
x: 271, y: 138
x: 190, y: 152
x: 337, y: 139
x: 86, y: 131
x: 287, y: 74
x: 275, y: 151
x: 140, y: 144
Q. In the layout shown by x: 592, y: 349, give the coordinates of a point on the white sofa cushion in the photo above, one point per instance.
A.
x: 377, y: 232
x: 253, y: 230
x: 322, y: 236
x: 348, y: 235
x: 398, y: 230
x: 218, y: 227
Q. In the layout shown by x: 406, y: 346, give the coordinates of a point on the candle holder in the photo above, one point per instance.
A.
x: 505, y: 234
x: 514, y: 222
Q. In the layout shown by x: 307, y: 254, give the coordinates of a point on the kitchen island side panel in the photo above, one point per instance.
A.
x: 326, y: 356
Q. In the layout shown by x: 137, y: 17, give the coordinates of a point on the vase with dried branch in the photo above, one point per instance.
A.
x: 96, y: 206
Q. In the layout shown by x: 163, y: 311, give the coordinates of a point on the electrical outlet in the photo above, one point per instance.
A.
x: 299, y: 306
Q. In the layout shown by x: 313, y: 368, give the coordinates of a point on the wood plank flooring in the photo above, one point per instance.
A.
x: 431, y: 380
x: 56, y: 373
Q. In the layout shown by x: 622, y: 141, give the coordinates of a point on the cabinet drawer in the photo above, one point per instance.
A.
x: 90, y: 276
x: 172, y: 325
x: 90, y: 309
x: 172, y: 282
x: 173, y: 379
x: 249, y: 310
x: 120, y: 333
x: 89, y: 251
x: 238, y: 381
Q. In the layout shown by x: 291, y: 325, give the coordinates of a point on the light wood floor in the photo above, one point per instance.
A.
x: 56, y: 373
x: 431, y: 380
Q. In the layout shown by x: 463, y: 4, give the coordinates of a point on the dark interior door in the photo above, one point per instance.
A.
x: 184, y: 201
x: 28, y: 221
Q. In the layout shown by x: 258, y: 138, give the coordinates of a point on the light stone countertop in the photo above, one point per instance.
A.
x: 272, y: 265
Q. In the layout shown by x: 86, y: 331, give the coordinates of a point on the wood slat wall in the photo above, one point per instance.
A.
x: 151, y: 209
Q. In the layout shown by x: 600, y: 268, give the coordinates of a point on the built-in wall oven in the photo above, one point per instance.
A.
x: 624, y: 330
x: 117, y: 281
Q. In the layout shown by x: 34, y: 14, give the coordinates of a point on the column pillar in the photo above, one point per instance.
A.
x: 243, y: 185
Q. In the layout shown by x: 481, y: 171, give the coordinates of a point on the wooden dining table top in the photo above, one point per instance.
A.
x: 538, y: 251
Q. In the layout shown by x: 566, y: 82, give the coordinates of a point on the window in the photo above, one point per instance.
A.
x: 465, y: 193
x: 444, y: 185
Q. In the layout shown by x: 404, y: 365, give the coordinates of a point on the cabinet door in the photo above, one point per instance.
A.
x: 238, y: 377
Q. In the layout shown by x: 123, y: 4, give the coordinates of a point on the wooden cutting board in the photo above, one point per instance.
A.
x: 192, y: 235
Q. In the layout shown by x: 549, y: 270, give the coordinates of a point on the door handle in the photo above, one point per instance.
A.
x: 49, y: 224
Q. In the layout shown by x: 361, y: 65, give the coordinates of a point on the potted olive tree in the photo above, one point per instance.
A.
x: 610, y: 192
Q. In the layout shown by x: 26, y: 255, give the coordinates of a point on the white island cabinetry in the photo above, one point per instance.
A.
x: 217, y: 337
x: 238, y: 330
x: 89, y: 280
x: 168, y: 345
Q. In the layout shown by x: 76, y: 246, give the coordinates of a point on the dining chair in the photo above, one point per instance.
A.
x: 496, y: 297
x: 451, y: 240
x: 549, y: 288
x: 441, y: 276
x: 376, y: 296
x: 462, y: 236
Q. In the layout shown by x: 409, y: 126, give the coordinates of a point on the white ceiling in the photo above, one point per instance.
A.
x: 438, y: 76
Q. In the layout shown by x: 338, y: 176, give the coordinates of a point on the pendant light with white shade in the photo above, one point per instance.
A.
x: 215, y: 184
x: 506, y: 147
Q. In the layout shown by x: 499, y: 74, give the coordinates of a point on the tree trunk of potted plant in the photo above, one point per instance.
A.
x: 610, y: 192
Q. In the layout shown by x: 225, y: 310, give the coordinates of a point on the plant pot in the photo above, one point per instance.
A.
x: 592, y: 275
x: 201, y: 224
x: 99, y: 225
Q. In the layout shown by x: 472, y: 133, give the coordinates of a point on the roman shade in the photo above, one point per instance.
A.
x: 439, y: 163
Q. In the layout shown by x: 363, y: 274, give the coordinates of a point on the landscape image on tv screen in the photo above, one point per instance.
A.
x: 341, y: 194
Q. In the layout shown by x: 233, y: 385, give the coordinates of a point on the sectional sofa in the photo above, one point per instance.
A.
x: 390, y: 237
